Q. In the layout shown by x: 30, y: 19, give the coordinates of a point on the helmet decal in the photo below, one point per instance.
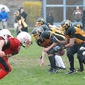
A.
x: 25, y: 39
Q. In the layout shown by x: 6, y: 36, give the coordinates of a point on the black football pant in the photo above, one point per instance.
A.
x: 70, y: 54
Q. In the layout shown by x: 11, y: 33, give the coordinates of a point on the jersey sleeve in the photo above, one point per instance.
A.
x: 53, y: 38
x: 18, y: 17
x: 14, y: 46
x: 72, y: 32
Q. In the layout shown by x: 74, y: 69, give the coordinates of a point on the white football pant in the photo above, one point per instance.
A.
x: 59, y: 61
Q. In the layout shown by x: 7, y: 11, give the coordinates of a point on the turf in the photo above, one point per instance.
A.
x: 26, y: 70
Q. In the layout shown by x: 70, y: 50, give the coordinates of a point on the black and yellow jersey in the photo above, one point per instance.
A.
x: 74, y: 32
x: 23, y: 23
x: 45, y: 27
x: 47, y: 38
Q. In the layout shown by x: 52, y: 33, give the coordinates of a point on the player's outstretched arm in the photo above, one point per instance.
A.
x: 61, y: 42
x: 43, y: 56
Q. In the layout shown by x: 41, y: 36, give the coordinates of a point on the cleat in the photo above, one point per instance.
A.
x: 61, y: 68
x: 80, y: 70
x: 54, y: 71
x: 50, y: 70
x: 71, y: 72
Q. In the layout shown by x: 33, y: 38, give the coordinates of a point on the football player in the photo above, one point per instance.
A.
x: 45, y: 26
x: 11, y: 47
x: 44, y: 39
x: 76, y: 39
x: 78, y: 25
x: 40, y: 22
x: 5, y: 34
x: 22, y: 26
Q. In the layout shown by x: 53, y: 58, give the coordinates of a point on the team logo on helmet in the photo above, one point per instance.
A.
x: 40, y: 22
x: 78, y: 25
x: 66, y: 24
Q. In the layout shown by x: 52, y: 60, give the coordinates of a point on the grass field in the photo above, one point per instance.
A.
x: 26, y: 70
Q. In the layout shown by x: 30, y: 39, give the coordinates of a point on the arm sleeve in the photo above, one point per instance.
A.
x: 18, y: 17
x: 53, y: 39
x: 25, y: 14
x: 72, y: 32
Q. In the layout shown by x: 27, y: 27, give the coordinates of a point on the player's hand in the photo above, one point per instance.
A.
x: 20, y: 30
x: 4, y: 19
x: 2, y: 53
x: 42, y: 63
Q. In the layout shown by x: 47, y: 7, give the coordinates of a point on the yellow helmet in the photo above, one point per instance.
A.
x: 66, y: 24
x: 16, y: 13
x: 78, y: 25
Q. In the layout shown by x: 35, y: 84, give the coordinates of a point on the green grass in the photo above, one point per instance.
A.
x: 26, y: 70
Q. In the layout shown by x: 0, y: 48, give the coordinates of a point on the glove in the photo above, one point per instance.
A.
x: 57, y: 48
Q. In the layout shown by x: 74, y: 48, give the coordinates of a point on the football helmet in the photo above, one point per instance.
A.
x: 40, y: 22
x: 36, y: 32
x: 5, y: 34
x: 44, y: 27
x: 25, y: 39
x: 66, y: 24
x: 16, y: 13
x: 78, y: 25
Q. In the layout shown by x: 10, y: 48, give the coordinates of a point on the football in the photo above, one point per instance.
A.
x: 61, y: 52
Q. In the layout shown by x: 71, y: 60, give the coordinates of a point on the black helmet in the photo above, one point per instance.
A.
x: 78, y: 25
x: 44, y: 27
x: 36, y: 32
x: 40, y: 21
x: 65, y: 24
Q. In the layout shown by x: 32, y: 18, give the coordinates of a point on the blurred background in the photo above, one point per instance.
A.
x: 60, y: 9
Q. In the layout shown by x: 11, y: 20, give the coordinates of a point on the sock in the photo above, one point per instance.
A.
x: 59, y: 61
x: 52, y: 62
x: 71, y: 61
